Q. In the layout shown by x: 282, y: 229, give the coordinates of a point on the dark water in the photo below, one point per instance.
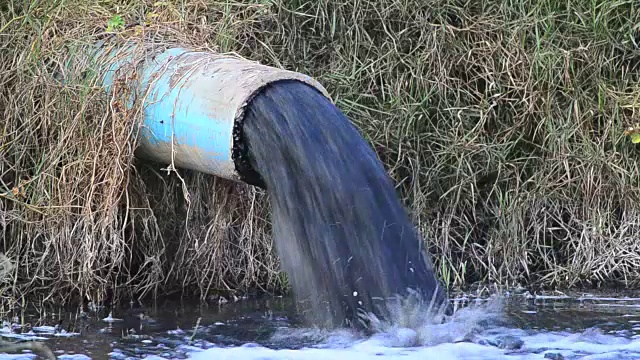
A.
x: 538, y: 328
x: 341, y: 233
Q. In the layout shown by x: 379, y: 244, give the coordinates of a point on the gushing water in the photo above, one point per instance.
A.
x: 342, y: 235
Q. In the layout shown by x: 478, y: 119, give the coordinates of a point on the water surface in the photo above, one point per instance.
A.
x: 516, y: 327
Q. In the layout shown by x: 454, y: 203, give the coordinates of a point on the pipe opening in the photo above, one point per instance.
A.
x: 240, y: 153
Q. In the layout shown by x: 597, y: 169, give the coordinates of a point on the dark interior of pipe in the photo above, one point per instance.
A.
x: 240, y: 156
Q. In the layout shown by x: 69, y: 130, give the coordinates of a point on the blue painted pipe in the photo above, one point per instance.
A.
x: 193, y: 102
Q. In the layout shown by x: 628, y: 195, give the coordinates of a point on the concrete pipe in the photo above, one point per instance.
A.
x: 193, y: 104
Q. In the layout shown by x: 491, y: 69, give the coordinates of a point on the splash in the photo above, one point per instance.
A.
x: 411, y: 322
x: 342, y: 235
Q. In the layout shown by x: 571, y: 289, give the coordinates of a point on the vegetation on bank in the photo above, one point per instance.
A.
x: 505, y: 124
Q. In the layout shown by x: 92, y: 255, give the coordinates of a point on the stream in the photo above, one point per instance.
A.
x: 511, y: 326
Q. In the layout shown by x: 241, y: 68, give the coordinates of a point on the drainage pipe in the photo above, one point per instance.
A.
x: 193, y: 103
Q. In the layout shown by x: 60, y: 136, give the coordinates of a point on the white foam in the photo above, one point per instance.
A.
x: 17, y: 356
x: 110, y: 319
x: 44, y: 328
x: 26, y: 336
x: 74, y: 357
x: 370, y: 349
x: 411, y: 337
x: 49, y: 330
x: 577, y: 346
x: 65, y: 333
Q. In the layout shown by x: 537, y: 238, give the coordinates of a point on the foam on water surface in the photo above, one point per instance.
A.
x: 549, y: 345
x: 466, y: 335
x: 590, y: 344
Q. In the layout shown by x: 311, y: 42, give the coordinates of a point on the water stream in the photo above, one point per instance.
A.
x: 513, y: 327
x: 342, y: 234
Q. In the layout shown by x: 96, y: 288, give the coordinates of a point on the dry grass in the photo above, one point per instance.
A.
x: 77, y: 213
x: 502, y: 121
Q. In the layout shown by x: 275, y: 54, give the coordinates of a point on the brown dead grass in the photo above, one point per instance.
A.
x: 78, y: 214
x: 501, y: 121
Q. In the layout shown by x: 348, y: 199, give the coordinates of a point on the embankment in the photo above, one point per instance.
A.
x: 503, y: 124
